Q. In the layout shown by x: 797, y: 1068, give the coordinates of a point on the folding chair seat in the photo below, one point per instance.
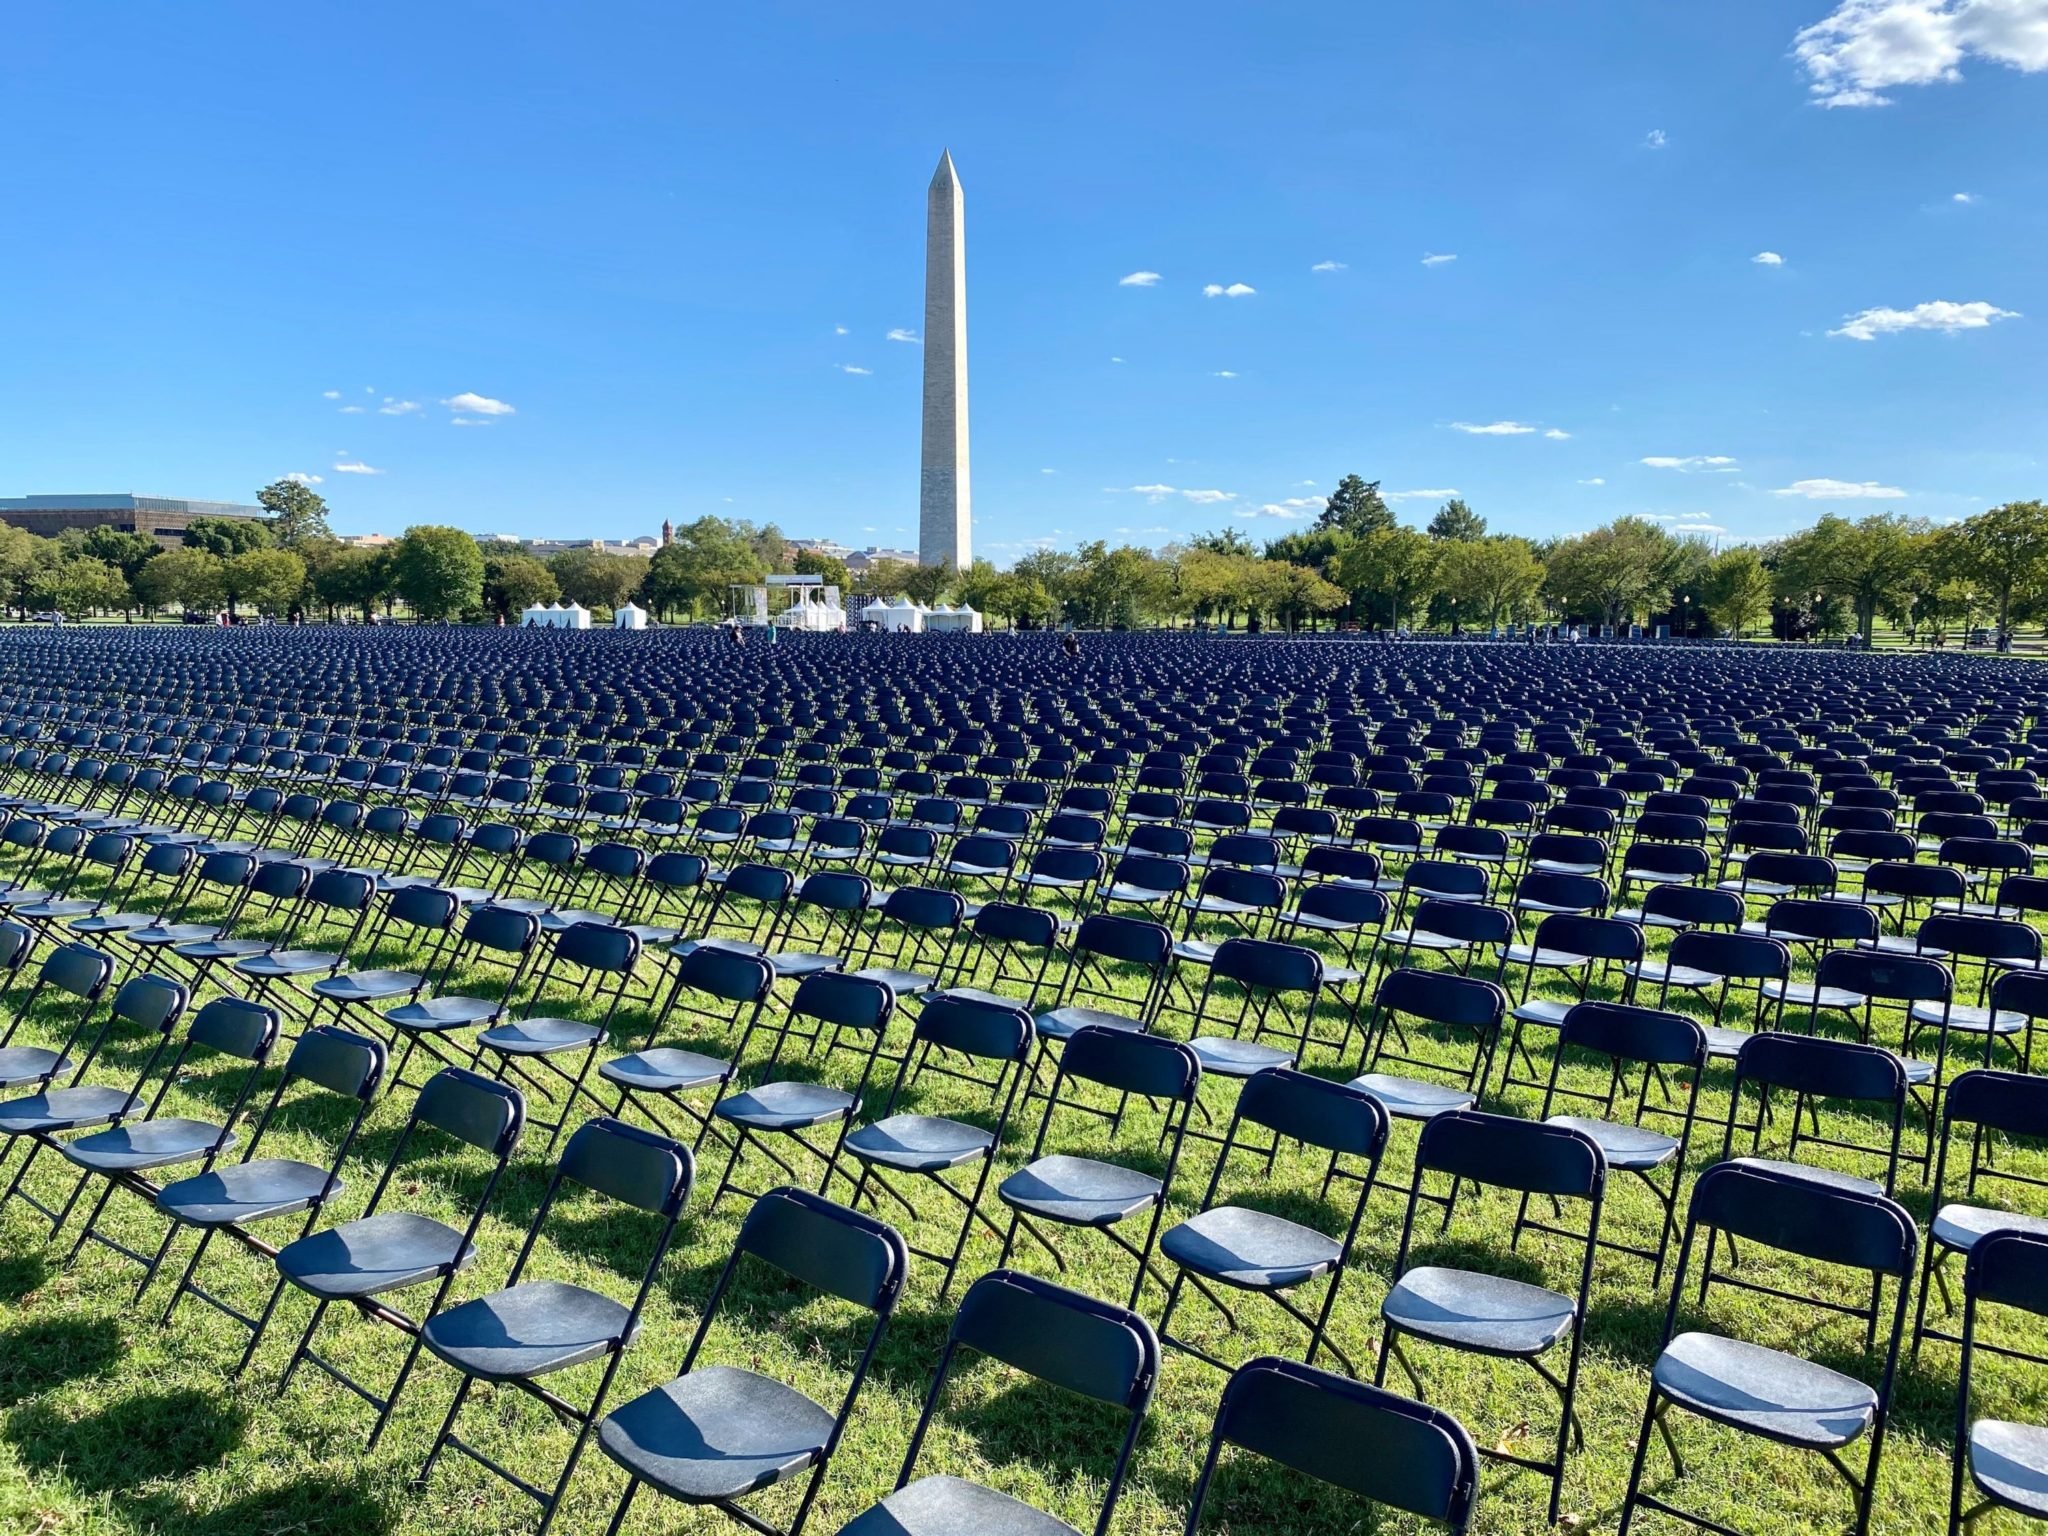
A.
x: 80, y: 974
x: 1574, y: 946
x: 717, y: 1433
x: 983, y: 857
x: 1249, y: 1249
x: 1001, y: 931
x: 332, y: 895
x: 1086, y: 1347
x: 1772, y: 875
x: 1749, y: 1388
x: 1268, y: 986
x: 1489, y: 1314
x: 532, y: 1329
x: 1543, y: 891
x: 1459, y: 929
x: 492, y: 938
x: 1087, y: 1192
x: 1564, y: 853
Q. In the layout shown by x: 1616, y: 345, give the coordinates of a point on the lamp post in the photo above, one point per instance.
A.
x: 1682, y: 629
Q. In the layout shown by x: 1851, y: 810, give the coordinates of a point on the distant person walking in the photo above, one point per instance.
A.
x: 1071, y: 644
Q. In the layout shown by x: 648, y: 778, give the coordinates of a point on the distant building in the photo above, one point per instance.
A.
x: 163, y: 518
x: 366, y: 540
x: 643, y: 547
x: 860, y: 561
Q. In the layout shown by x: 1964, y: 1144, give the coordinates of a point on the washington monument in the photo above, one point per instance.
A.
x: 945, y: 507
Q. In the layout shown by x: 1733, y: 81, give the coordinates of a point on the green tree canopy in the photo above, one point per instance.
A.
x: 297, y: 513
x: 597, y: 579
x: 1614, y: 572
x: 225, y: 536
x: 353, y: 577
x: 1868, y: 564
x: 190, y: 578
x: 439, y: 571
x: 827, y: 568
x: 1489, y: 579
x: 1456, y: 523
x: 2006, y: 551
x: 1357, y: 507
x: 1736, y: 590
x: 691, y: 575
x: 268, y: 580
x: 514, y: 582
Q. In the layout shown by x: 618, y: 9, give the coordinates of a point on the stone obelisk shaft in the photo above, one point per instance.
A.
x: 945, y: 507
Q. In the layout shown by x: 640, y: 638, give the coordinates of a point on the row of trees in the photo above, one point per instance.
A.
x: 1356, y: 563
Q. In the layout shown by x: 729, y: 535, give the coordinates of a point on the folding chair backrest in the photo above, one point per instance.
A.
x: 1093, y: 1348
x: 473, y: 1108
x: 2013, y: 1102
x: 2009, y: 1268
x: 341, y: 1062
x: 151, y: 1001
x: 1828, y: 1222
x: 726, y: 973
x: 501, y: 928
x: 1315, y: 1110
x: 1266, y: 965
x: 78, y: 969
x: 235, y: 1027
x: 1650, y: 1035
x: 635, y: 1167
x: 1511, y: 1153
x: 850, y: 1002
x: 976, y: 1028
x: 1885, y: 976
x: 1442, y: 997
x: 599, y: 947
x: 1816, y: 1064
x: 1129, y: 939
x: 828, y: 1247
x: 1352, y: 1435
x: 1149, y: 1065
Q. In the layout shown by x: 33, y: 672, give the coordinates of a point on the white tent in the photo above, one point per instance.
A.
x: 629, y: 616
x: 947, y: 619
x: 535, y: 617
x: 575, y: 616
x: 901, y: 617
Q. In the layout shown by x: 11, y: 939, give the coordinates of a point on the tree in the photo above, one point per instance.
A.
x: 297, y: 513
x: 692, y: 573
x: 268, y: 580
x: 439, y: 571
x: 1223, y: 541
x: 514, y: 582
x: 126, y: 552
x: 1489, y: 579
x: 225, y: 536
x: 1388, y: 572
x: 928, y: 583
x: 1456, y: 523
x: 598, y: 580
x: 1300, y: 592
x: 18, y: 563
x: 1357, y: 507
x: 827, y: 568
x: 887, y: 578
x: 77, y: 586
x: 354, y: 577
x: 2006, y: 550
x: 1736, y: 591
x: 189, y: 577
x: 1613, y: 571
x: 1867, y: 564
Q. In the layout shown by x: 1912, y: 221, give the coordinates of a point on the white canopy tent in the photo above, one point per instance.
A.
x: 555, y: 616
x: 902, y: 617
x: 946, y: 619
x: 629, y: 616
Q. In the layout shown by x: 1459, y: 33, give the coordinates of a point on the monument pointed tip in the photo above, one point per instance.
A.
x: 945, y: 172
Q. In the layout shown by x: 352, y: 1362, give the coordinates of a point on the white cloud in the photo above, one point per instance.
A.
x: 1438, y: 258
x: 1137, y: 280
x: 1493, y: 428
x: 900, y: 334
x: 395, y: 407
x: 1692, y: 527
x: 854, y: 368
x: 840, y: 330
x: 1558, y: 435
x: 467, y: 421
x: 1225, y: 373
x: 1596, y: 480
x: 1964, y: 197
x: 351, y: 410
x: 471, y: 404
x: 300, y: 477
x: 1276, y: 509
x: 1048, y: 471
x: 1234, y: 291
x: 1864, y: 48
x: 335, y: 394
x: 1426, y: 495
x: 1116, y: 359
x: 369, y: 389
x: 1201, y: 498
x: 1328, y: 266
x: 1655, y: 139
x: 1712, y: 463
x: 1840, y: 490
x: 1935, y: 315
x: 1305, y: 482
x: 351, y: 467
x: 1768, y: 259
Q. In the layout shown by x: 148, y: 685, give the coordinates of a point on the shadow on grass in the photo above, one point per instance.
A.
x: 37, y: 1356
x: 151, y: 1435
x: 309, y: 1506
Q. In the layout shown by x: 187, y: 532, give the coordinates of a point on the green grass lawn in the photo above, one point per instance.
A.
x: 110, y: 1423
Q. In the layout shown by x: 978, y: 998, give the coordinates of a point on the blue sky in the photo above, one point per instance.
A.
x: 567, y: 271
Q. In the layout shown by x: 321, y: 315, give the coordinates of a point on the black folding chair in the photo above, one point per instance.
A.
x: 2006, y: 1461
x: 358, y: 1263
x: 1788, y: 1399
x: 1262, y: 1253
x: 532, y: 1329
x: 234, y: 1197
x: 1088, y: 1347
x: 1362, y: 1439
x: 716, y: 1434
x: 1490, y: 1314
